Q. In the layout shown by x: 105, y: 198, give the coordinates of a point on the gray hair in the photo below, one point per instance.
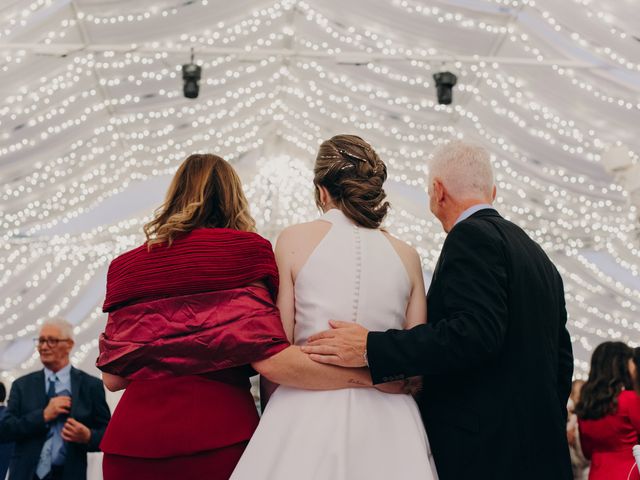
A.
x: 464, y: 169
x: 66, y: 329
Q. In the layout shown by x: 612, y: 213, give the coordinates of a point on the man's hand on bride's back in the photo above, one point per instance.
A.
x: 344, y: 345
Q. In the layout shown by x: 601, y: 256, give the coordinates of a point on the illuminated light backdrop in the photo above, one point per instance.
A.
x: 93, y: 123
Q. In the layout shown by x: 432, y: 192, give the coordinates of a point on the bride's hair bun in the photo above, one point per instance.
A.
x: 353, y: 174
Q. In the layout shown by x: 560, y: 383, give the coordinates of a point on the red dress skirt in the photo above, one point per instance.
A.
x: 187, y: 427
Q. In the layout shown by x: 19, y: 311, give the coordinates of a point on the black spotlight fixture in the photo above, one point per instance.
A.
x: 191, y: 74
x: 444, y: 84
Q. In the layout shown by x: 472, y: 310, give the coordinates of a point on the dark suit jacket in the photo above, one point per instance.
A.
x: 495, y: 354
x: 24, y: 423
x: 6, y: 449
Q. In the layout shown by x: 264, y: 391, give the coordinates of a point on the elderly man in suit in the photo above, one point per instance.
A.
x: 495, y: 354
x: 55, y: 415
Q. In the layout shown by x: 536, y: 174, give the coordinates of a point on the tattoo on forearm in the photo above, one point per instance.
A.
x: 356, y: 381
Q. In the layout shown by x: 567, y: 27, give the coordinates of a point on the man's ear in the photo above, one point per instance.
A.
x: 493, y: 195
x: 439, y: 191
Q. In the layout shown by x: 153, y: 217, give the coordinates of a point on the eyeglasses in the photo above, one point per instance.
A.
x: 52, y: 342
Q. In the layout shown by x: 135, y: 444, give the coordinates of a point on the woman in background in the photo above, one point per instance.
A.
x: 189, y: 312
x: 609, y: 414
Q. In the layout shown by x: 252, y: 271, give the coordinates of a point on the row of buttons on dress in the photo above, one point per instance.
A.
x: 358, y: 248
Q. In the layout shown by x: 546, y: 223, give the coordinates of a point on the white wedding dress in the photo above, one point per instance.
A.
x: 350, y: 434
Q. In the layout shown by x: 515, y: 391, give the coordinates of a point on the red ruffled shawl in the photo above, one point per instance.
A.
x: 191, y: 308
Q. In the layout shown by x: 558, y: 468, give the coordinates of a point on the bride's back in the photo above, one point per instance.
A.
x: 353, y: 274
x: 343, y: 267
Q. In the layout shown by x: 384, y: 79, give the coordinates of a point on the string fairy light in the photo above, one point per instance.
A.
x: 100, y: 121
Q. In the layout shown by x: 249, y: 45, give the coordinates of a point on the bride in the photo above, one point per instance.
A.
x: 343, y: 266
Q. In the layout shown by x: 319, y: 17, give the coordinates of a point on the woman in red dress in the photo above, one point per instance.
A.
x: 609, y: 414
x: 191, y: 311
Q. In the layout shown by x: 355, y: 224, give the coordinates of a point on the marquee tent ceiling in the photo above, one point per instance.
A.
x: 93, y: 123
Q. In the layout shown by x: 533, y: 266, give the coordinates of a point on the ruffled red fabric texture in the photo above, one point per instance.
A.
x: 191, y: 308
x: 192, y: 334
x: 204, y: 260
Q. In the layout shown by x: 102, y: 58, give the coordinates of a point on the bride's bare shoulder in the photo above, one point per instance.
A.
x: 303, y: 234
x: 402, y: 247
x: 408, y: 254
x: 297, y: 242
x: 304, y: 231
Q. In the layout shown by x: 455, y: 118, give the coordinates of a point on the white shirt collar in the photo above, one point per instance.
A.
x: 471, y: 210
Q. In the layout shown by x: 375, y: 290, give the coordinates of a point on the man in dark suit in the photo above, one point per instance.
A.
x: 55, y: 415
x: 6, y: 448
x: 495, y: 354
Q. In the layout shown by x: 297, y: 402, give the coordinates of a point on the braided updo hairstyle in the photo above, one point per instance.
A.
x: 353, y: 174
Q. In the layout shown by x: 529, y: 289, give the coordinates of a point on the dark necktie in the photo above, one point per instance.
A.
x: 52, y: 388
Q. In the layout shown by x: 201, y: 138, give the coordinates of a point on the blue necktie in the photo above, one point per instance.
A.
x: 46, y: 455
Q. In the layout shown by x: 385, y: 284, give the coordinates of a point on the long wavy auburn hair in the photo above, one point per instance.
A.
x: 205, y: 192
